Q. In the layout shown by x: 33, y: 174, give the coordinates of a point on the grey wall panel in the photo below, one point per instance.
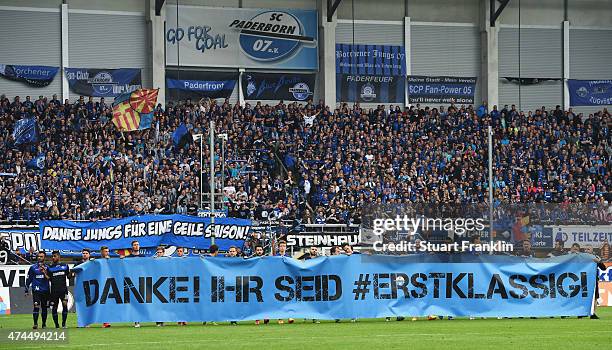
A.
x: 590, y: 13
x: 370, y: 33
x: 536, y: 12
x: 548, y: 94
x: 461, y: 11
x: 541, y: 52
x: 275, y: 4
x: 381, y: 10
x: 109, y: 5
x: 590, y: 58
x: 55, y: 4
x: 446, y: 50
x: 22, y: 43
x: 109, y: 41
x: 288, y: 4
x: 590, y: 54
x: 541, y: 57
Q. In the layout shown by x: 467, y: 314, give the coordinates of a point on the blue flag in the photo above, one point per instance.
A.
x: 145, y: 121
x: 37, y: 162
x: 26, y: 131
x: 178, y: 134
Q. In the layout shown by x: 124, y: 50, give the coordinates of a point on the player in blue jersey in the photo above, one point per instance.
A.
x: 135, y: 253
x: 159, y: 254
x: 105, y: 254
x: 58, y: 274
x: 38, y: 277
x: 282, y: 251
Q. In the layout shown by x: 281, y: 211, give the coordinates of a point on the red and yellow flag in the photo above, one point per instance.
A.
x: 134, y: 111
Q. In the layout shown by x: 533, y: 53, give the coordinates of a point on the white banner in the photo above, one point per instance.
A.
x: 16, y: 275
x: 22, y: 239
x: 584, y: 235
x: 241, y: 37
x: 13, y: 275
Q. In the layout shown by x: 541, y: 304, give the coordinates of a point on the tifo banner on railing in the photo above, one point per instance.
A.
x: 241, y: 37
x: 148, y: 230
x: 370, y: 88
x: 22, y: 238
x: 357, y: 286
x: 278, y: 86
x: 585, y: 235
x: 370, y: 59
x: 103, y: 82
x: 38, y: 76
x: 590, y: 92
x: 321, y: 239
x: 441, y: 89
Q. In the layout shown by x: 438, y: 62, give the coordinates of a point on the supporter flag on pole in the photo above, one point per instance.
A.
x: 181, y: 136
x: 134, y: 110
x: 37, y: 162
x: 25, y: 131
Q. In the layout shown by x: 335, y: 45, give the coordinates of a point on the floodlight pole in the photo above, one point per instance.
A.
x: 490, y: 137
x: 201, y: 137
x: 212, y: 180
x: 201, y: 170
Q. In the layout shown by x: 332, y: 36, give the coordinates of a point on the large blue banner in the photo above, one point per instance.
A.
x: 103, y: 82
x: 149, y: 230
x: 590, y: 92
x: 363, y: 59
x: 194, y: 85
x: 357, y: 286
x: 209, y: 86
x: 370, y: 88
x: 370, y: 73
x: 38, y: 76
x: 278, y: 86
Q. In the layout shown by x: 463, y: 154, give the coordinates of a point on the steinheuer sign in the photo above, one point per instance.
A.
x: 240, y: 37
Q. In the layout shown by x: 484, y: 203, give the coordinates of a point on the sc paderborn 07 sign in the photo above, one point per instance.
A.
x: 246, y: 38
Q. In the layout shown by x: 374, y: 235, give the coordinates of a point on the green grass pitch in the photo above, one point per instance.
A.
x: 370, y: 334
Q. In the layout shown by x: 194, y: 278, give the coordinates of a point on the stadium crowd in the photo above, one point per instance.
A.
x: 293, y: 161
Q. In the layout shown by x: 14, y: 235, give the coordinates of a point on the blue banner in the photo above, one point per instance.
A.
x: 370, y: 88
x: 363, y: 59
x: 149, y: 230
x: 25, y: 131
x: 278, y: 86
x: 358, y: 286
x: 222, y: 88
x: 441, y: 89
x: 194, y: 85
x: 38, y: 76
x: 178, y: 134
x: 590, y: 92
x: 103, y: 82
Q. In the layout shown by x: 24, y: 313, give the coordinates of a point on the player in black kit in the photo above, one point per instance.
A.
x: 59, y: 273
